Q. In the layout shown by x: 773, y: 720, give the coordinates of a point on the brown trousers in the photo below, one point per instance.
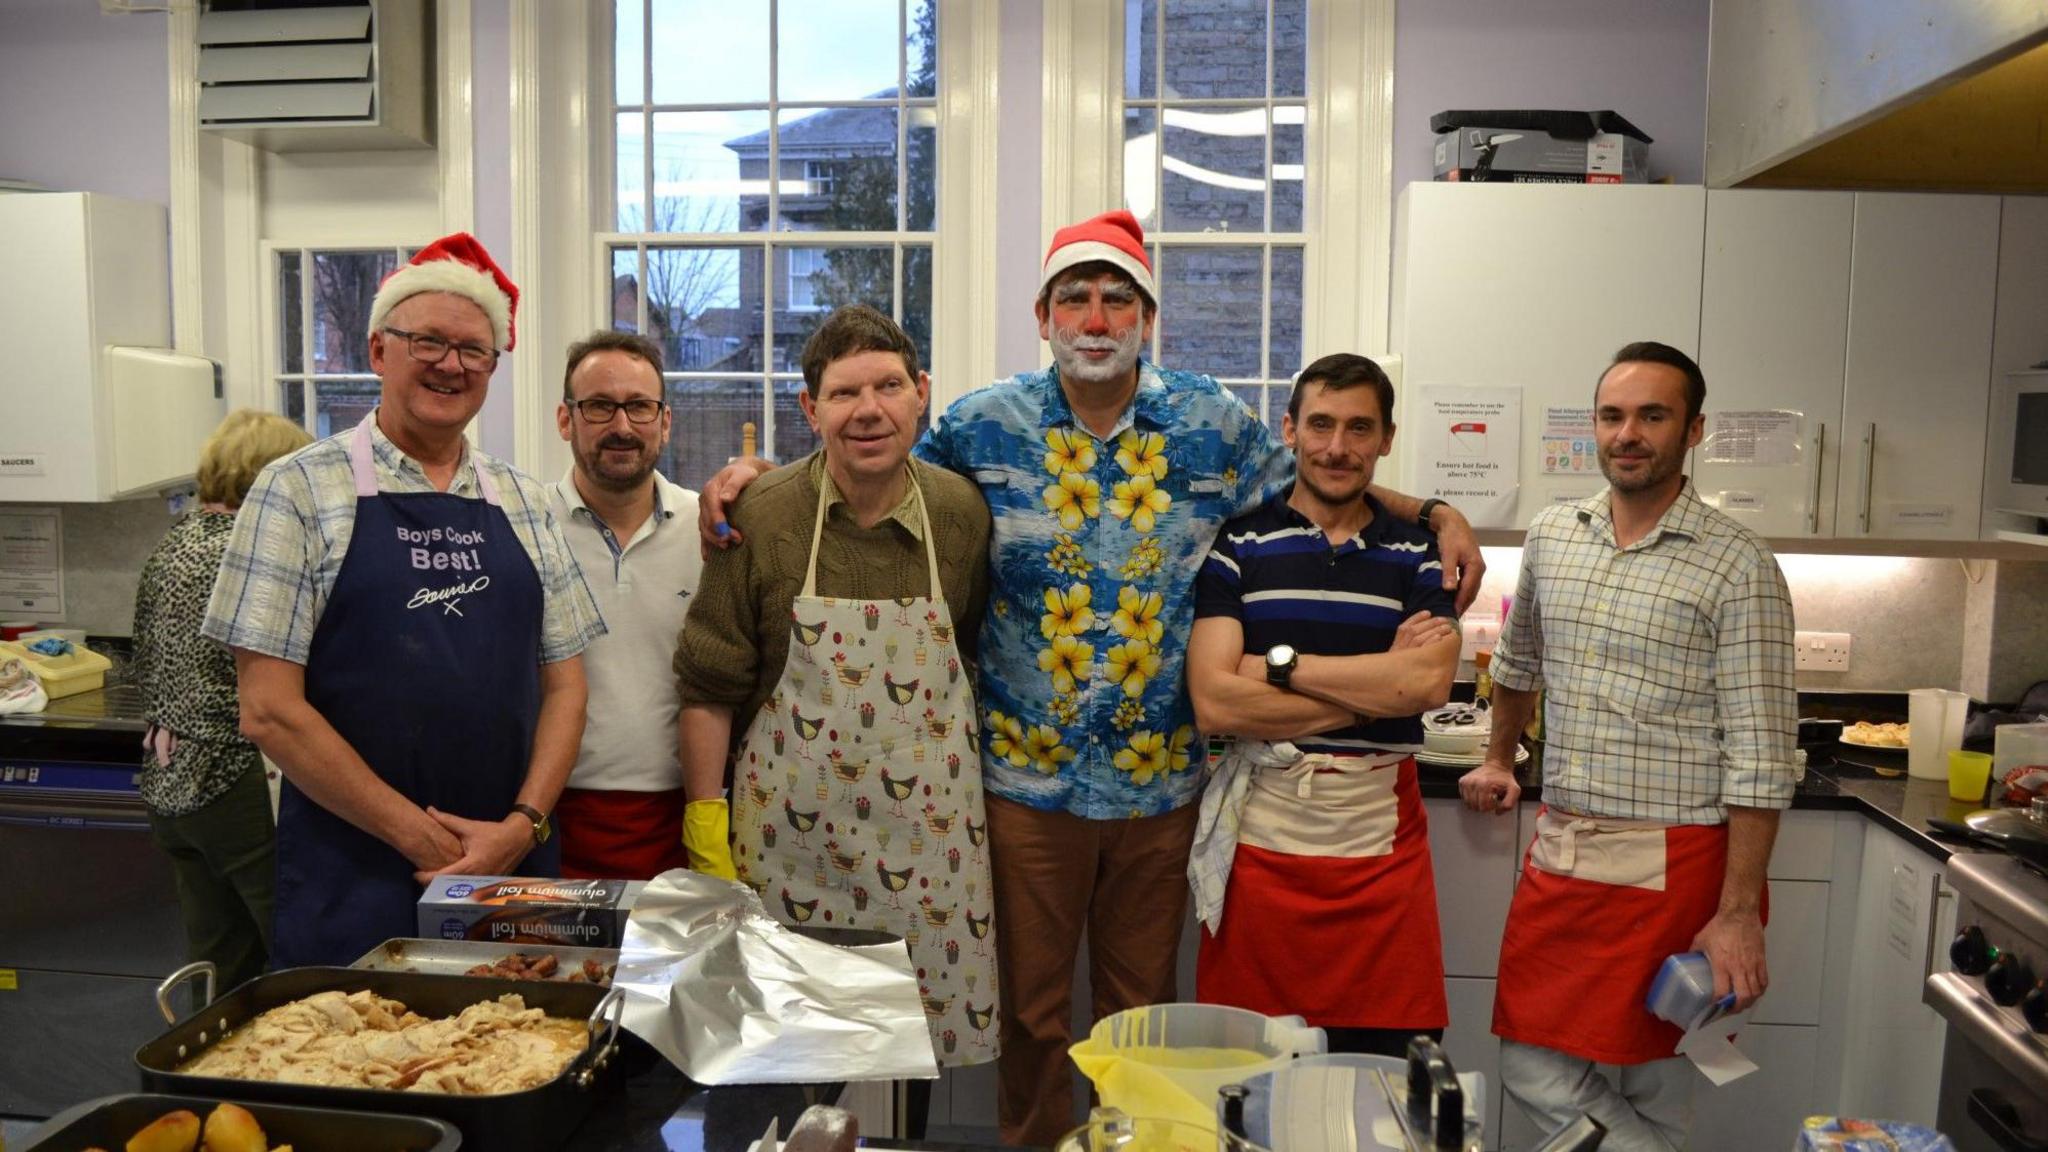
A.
x: 1125, y: 881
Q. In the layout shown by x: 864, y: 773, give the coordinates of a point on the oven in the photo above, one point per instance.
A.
x: 1994, y: 1073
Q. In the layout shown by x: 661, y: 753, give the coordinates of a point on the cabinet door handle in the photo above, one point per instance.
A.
x: 1940, y: 892
x: 1869, y: 473
x: 1820, y: 443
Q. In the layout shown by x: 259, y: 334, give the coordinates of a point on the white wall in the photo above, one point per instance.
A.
x: 82, y: 104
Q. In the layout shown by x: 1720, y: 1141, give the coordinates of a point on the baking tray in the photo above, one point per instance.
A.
x: 456, y: 957
x: 109, y: 1121
x: 537, y: 1119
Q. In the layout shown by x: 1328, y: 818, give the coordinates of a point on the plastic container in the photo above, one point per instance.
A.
x: 79, y: 670
x: 1682, y: 992
x: 1936, y: 716
x: 1110, y: 1130
x: 2018, y: 746
x: 1167, y: 1061
x: 1345, y: 1102
x: 1969, y: 774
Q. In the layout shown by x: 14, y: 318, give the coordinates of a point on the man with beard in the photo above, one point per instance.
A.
x: 1322, y: 631
x: 632, y: 532
x: 407, y: 626
x: 1662, y: 630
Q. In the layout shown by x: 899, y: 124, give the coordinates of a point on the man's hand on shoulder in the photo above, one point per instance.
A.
x: 1734, y: 944
x: 1464, y: 567
x: 1491, y: 787
x: 712, y: 530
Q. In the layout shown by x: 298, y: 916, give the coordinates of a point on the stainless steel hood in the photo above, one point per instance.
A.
x: 1894, y: 94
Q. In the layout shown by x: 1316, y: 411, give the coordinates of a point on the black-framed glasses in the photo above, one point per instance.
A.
x: 429, y: 349
x: 600, y: 411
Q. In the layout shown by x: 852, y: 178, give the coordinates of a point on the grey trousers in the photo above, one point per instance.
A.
x: 1650, y: 1112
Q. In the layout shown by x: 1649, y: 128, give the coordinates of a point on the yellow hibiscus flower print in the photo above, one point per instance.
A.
x: 1132, y: 664
x: 1127, y: 716
x: 1066, y: 557
x: 1144, y: 560
x: 1137, y: 615
x: 1144, y: 757
x: 1068, y: 660
x: 1043, y: 747
x: 1075, y: 499
x: 1177, y: 748
x: 1066, y: 613
x: 1142, y: 453
x: 1068, y: 450
x: 1006, y: 738
x: 1140, y: 501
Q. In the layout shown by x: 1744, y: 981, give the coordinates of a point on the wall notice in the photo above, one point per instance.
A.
x: 1469, y: 448
x: 1567, y: 442
x: 1756, y: 439
x: 32, y: 563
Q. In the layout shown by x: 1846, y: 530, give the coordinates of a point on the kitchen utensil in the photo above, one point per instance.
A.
x: 1936, y: 716
x: 109, y: 1121
x: 1356, y: 1103
x: 538, y: 1118
x: 1167, y: 1061
x: 1969, y: 773
x: 2020, y: 833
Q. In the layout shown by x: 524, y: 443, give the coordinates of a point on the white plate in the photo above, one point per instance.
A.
x: 1872, y: 747
x: 1447, y: 760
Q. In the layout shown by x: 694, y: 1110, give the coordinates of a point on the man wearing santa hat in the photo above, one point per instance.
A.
x: 407, y: 624
x: 1107, y: 477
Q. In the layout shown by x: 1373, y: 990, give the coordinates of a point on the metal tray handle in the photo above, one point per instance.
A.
x: 171, y: 982
x: 604, y: 1024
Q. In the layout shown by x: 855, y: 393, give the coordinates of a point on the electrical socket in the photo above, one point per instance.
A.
x: 1821, y: 651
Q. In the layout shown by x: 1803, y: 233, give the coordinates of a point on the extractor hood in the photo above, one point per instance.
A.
x: 1947, y: 95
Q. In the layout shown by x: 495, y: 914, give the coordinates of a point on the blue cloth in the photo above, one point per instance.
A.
x: 1083, y: 688
x: 433, y: 677
x: 1276, y: 574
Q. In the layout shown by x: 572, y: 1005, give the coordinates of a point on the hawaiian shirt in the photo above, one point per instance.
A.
x: 1083, y: 686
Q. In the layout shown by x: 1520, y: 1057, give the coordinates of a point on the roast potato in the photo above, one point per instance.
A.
x: 171, y: 1132
x: 231, y: 1129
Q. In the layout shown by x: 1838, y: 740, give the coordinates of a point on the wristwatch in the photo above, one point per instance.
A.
x: 1280, y: 662
x: 542, y: 829
x: 1427, y: 510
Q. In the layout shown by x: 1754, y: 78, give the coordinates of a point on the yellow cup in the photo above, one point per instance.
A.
x: 1969, y: 774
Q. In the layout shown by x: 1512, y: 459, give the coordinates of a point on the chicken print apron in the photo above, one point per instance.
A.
x: 1600, y: 905
x: 857, y: 795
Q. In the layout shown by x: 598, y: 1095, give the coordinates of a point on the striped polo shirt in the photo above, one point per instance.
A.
x: 1275, y: 572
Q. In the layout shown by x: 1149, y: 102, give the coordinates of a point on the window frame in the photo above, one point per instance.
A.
x: 271, y: 376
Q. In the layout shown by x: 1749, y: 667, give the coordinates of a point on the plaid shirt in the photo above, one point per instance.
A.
x: 1092, y: 568
x: 1667, y: 664
x: 293, y: 531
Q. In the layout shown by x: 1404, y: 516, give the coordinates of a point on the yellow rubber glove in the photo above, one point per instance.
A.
x: 707, y: 837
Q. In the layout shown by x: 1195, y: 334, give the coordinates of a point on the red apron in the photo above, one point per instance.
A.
x: 1330, y: 913
x: 613, y: 835
x: 1600, y: 905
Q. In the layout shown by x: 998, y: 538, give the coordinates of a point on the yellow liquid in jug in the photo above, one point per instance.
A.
x: 1202, y: 1059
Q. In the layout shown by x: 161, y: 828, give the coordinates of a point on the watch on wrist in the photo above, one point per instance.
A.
x: 1280, y: 662
x: 1428, y: 509
x: 542, y: 829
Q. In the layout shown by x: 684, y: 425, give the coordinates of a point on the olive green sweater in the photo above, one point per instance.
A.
x: 736, y: 637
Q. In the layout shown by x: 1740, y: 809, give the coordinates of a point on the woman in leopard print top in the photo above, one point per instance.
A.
x: 203, y: 783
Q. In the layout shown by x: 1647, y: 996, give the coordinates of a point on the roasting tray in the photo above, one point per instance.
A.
x: 109, y: 1121
x: 538, y: 1118
x: 455, y: 957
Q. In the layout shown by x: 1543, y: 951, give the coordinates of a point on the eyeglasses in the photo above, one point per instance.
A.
x: 601, y: 411
x: 433, y: 349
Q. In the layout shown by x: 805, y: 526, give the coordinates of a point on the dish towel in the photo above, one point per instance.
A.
x: 1216, y: 827
x: 20, y: 691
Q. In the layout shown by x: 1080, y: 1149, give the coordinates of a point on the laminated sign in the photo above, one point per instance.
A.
x: 1470, y: 450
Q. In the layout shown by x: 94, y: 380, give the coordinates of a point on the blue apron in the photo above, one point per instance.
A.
x: 427, y: 661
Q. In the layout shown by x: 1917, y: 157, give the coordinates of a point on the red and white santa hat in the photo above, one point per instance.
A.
x: 457, y: 265
x: 1111, y: 238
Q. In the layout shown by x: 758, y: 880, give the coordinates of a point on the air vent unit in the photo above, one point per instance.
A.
x: 338, y: 77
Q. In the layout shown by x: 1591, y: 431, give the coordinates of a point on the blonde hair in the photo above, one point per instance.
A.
x: 238, y: 450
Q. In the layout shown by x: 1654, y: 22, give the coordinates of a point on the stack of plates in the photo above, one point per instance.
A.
x: 1447, y: 760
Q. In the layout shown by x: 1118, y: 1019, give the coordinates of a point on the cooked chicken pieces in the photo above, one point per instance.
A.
x: 362, y: 1040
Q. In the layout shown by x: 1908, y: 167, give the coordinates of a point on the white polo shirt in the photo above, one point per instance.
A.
x: 643, y: 588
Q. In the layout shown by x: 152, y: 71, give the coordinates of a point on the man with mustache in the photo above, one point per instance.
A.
x: 1322, y: 631
x: 1108, y: 478
x: 408, y: 627
x: 1663, y: 632
x: 632, y: 533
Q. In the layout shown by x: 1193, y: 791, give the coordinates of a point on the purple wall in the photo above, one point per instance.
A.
x: 1647, y: 61
x: 84, y: 103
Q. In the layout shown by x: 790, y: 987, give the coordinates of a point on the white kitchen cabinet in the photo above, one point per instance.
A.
x: 1474, y: 855
x: 1471, y: 1045
x: 1905, y: 916
x: 1763, y: 1109
x: 1774, y: 323
x: 1922, y: 282
x: 1536, y: 286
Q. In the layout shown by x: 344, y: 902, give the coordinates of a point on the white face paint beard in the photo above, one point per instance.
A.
x: 1068, y: 344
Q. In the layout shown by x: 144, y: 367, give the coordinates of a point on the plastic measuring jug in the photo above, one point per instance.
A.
x: 1936, y: 715
x: 1353, y: 1103
x: 1168, y: 1060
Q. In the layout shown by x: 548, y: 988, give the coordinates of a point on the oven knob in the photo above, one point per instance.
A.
x: 1968, y: 953
x: 2008, y: 980
x: 2034, y: 1006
